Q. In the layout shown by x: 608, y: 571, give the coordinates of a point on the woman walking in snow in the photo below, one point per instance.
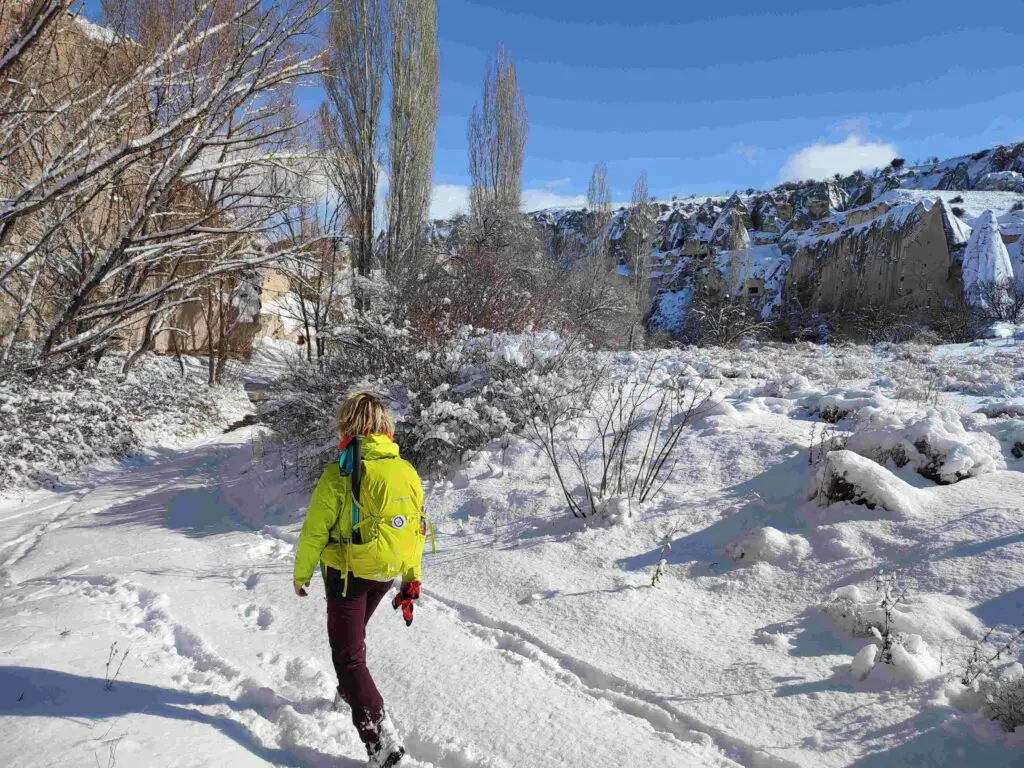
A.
x: 365, y: 526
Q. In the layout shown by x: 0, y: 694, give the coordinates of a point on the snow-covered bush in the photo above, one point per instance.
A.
x: 53, y: 426
x: 846, y: 476
x: 769, y: 545
x: 1005, y: 698
x: 838, y: 404
x: 990, y: 375
x: 784, y: 386
x: 449, y: 396
x: 993, y: 680
x: 936, y: 445
x: 902, y: 626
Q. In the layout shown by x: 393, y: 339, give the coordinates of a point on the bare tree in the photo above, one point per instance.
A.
x: 412, y: 131
x: 640, y: 223
x: 134, y: 164
x: 599, y: 203
x: 357, y: 49
x: 597, y: 302
x: 317, y: 270
x: 498, y: 130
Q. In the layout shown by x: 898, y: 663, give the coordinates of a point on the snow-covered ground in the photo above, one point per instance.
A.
x: 540, y: 640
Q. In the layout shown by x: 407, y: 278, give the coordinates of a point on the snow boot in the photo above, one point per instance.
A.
x: 388, y: 751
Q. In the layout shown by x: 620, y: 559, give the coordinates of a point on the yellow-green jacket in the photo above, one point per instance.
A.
x: 391, y: 522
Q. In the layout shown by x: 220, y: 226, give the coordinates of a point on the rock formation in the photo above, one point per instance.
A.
x: 729, y: 232
x: 1017, y: 260
x: 985, y: 260
x: 1001, y: 181
x: 884, y: 255
x: 956, y: 178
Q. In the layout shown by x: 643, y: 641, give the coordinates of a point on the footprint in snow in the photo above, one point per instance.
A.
x: 271, y: 548
x: 246, y: 580
x: 256, y: 617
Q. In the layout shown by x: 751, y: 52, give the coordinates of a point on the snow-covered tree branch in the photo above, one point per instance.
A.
x: 143, y: 164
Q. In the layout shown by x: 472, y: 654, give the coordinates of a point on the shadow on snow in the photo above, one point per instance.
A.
x: 35, y: 692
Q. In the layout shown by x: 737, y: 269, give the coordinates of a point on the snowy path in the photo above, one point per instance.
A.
x: 227, y: 667
x: 539, y: 641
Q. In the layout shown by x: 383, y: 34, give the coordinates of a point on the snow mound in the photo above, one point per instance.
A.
x: 616, y: 510
x: 913, y: 659
x: 835, y: 405
x: 769, y: 545
x: 937, y: 618
x: 864, y: 662
x: 914, y: 621
x: 784, y: 386
x: 936, y: 446
x: 1002, y: 329
x: 848, y: 477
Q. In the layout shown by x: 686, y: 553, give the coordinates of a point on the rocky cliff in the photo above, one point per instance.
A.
x: 897, y: 236
x: 887, y: 254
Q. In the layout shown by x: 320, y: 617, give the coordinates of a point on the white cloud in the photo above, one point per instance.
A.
x: 821, y: 160
x: 538, y: 199
x: 749, y: 152
x: 449, y: 199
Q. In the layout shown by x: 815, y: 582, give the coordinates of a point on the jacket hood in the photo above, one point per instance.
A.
x: 379, y: 447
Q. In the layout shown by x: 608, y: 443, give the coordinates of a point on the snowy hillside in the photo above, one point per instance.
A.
x: 541, y: 640
x: 821, y: 219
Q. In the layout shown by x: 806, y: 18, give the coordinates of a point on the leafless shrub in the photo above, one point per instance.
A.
x: 112, y: 745
x: 1001, y: 301
x: 953, y: 321
x: 452, y: 395
x: 986, y: 668
x: 715, y: 319
x: 597, y: 302
x: 824, y: 440
x: 984, y: 657
x: 666, y: 547
x: 115, y: 660
x: 637, y: 424
x: 892, y: 594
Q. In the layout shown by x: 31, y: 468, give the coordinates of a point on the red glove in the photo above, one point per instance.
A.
x: 410, y: 591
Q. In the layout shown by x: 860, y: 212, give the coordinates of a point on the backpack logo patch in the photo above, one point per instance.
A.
x: 398, y: 521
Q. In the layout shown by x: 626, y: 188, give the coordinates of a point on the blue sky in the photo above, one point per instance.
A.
x: 712, y: 96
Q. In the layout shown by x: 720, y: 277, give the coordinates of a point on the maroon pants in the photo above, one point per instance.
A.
x: 346, y: 628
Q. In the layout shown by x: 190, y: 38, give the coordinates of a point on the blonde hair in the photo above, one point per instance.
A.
x: 364, y: 413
